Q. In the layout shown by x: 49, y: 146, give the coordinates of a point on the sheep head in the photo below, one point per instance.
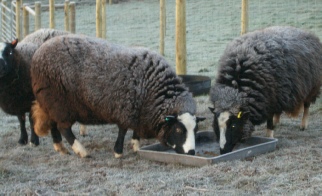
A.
x: 231, y: 117
x: 6, y: 58
x: 178, y: 132
x: 230, y: 129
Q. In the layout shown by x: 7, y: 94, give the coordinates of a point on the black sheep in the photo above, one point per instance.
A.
x: 16, y: 94
x: 262, y: 74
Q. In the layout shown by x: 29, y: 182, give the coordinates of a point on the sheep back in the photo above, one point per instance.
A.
x: 42, y: 35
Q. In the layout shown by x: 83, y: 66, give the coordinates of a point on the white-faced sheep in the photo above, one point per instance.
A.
x: 84, y: 79
x: 16, y: 94
x: 262, y: 74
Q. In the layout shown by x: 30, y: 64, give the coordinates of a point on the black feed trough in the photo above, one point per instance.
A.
x: 198, y: 85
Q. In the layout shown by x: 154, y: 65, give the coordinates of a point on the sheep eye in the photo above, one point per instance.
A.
x: 178, y: 130
x: 8, y: 53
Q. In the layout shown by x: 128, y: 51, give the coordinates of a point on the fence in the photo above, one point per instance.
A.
x: 14, y: 24
x: 7, y: 22
x: 210, y: 24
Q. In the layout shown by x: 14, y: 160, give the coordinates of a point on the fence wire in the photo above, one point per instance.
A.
x: 211, y: 24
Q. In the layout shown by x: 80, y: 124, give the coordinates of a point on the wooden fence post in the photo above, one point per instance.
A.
x: 37, y: 15
x: 103, y: 19
x: 98, y: 18
x: 244, y: 17
x: 18, y: 19
x: 181, y: 51
x: 72, y: 10
x: 162, y: 25
x: 25, y: 17
x: 66, y: 17
x: 52, y: 14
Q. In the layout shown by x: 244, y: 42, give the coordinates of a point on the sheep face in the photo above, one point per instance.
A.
x: 229, y: 129
x: 6, y: 57
x: 181, y: 132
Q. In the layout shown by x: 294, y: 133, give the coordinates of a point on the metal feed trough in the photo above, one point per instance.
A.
x: 207, y: 151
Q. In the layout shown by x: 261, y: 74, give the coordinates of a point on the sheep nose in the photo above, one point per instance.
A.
x: 191, y: 152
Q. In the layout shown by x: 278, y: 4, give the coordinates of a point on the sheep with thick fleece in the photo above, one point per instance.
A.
x: 262, y: 74
x: 88, y: 80
x: 16, y: 94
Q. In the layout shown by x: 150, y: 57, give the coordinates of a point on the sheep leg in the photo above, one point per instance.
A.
x: 77, y: 147
x: 23, y: 133
x: 135, y: 142
x: 270, y: 128
x: 276, y: 119
x: 57, y: 139
x: 34, y: 139
x: 304, y: 122
x: 82, y: 130
x: 118, y: 147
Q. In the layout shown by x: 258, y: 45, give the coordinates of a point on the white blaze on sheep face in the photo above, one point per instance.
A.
x: 222, y: 122
x: 189, y: 121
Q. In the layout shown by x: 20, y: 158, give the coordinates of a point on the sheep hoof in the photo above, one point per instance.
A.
x: 79, y: 149
x: 83, y: 130
x: 302, y: 128
x: 135, y: 145
x: 269, y: 133
x: 117, y: 155
x: 84, y: 155
x: 33, y: 144
x: 22, y: 142
x: 59, y: 147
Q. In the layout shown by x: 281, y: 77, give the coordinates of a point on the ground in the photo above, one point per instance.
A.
x: 294, y: 168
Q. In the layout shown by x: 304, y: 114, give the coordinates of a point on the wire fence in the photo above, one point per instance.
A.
x: 211, y: 24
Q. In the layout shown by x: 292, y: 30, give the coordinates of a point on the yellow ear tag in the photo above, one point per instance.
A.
x: 239, y: 115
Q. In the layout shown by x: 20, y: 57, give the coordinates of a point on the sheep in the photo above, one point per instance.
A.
x: 16, y: 94
x: 38, y: 38
x: 262, y: 74
x: 84, y: 79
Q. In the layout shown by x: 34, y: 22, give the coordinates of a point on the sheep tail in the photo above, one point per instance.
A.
x: 42, y: 123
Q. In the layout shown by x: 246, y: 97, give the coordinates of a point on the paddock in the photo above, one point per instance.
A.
x: 294, y: 168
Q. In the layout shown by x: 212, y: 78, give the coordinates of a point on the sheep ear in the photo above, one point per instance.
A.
x: 170, y: 119
x: 14, y: 43
x: 212, y: 110
x: 199, y: 119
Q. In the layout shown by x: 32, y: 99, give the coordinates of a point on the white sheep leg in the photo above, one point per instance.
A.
x: 276, y: 119
x: 59, y: 147
x: 304, y: 122
x: 135, y: 144
x: 82, y: 130
x: 116, y: 155
x: 269, y: 133
x: 79, y: 149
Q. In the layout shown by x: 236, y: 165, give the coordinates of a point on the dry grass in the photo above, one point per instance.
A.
x: 293, y: 169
